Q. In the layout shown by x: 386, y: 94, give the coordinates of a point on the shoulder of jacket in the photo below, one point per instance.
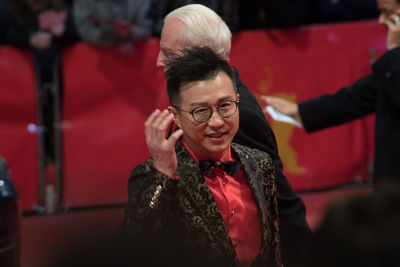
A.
x: 252, y: 152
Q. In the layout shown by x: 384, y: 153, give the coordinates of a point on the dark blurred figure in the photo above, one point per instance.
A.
x: 118, y: 23
x: 362, y: 231
x: 9, y: 220
x: 97, y: 248
x: 3, y: 22
x: 42, y: 25
x: 343, y: 10
x: 255, y: 14
x: 45, y: 27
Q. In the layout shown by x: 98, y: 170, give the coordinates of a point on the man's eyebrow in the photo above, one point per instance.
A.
x: 222, y: 99
x: 166, y: 51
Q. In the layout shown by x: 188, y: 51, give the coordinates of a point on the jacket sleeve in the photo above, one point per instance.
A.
x: 149, y: 194
x: 347, y: 104
x: 387, y: 70
x: 357, y: 100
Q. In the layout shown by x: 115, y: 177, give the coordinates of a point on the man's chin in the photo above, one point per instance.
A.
x: 217, y: 151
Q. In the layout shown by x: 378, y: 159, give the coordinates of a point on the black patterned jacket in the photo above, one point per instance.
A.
x: 181, y: 215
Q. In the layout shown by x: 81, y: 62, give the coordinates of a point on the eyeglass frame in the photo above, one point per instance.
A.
x: 212, y: 110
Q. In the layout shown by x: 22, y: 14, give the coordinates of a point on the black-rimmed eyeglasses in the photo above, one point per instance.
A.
x: 203, y: 113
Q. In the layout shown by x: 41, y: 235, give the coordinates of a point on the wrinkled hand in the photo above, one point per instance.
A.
x: 393, y: 35
x: 40, y: 40
x: 286, y: 107
x: 161, y: 149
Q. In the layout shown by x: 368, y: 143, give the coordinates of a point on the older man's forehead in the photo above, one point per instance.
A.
x: 388, y: 5
x: 172, y: 33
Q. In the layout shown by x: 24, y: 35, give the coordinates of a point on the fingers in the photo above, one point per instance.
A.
x: 265, y: 98
x: 162, y: 150
x: 396, y: 19
x: 175, y: 136
x: 282, y: 105
x: 149, y: 122
x: 273, y: 101
x: 156, y: 126
x: 160, y: 125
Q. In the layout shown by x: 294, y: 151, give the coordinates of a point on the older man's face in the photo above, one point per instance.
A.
x: 171, y: 35
x: 387, y: 8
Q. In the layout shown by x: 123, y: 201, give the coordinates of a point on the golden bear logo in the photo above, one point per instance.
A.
x: 283, y: 131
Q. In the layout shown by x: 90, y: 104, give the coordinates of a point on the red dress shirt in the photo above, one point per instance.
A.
x: 238, y: 208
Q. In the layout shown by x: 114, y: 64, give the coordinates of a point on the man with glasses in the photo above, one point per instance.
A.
x: 204, y: 200
x: 198, y: 25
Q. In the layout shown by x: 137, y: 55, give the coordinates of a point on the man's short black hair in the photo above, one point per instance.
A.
x: 195, y: 64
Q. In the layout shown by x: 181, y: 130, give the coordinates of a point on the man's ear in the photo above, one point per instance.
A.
x: 237, y: 96
x: 173, y: 110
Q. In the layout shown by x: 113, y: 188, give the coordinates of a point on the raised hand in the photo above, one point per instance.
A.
x: 286, y: 107
x: 161, y: 149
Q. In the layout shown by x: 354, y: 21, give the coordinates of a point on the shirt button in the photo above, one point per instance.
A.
x: 223, y: 183
x: 235, y: 244
x: 233, y: 212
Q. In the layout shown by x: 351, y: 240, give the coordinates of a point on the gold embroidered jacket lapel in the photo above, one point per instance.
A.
x: 158, y: 204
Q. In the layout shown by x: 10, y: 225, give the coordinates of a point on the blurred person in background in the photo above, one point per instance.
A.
x: 117, y: 23
x: 343, y: 10
x: 376, y: 93
x: 44, y: 26
x: 10, y: 219
x: 360, y: 231
x: 255, y: 14
x: 197, y: 25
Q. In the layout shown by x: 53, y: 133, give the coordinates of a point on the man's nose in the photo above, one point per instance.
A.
x: 216, y: 121
x: 160, y: 60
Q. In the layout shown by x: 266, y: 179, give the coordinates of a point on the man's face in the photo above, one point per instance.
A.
x: 387, y: 9
x: 171, y: 35
x: 212, y: 138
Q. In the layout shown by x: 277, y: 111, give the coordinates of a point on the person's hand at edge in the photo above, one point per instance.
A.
x: 393, y: 27
x: 286, y: 107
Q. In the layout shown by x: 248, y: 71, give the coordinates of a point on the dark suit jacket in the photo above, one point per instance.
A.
x: 161, y: 208
x: 377, y: 93
x: 255, y: 132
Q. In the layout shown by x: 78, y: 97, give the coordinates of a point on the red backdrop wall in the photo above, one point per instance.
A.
x: 18, y: 145
x: 108, y: 94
